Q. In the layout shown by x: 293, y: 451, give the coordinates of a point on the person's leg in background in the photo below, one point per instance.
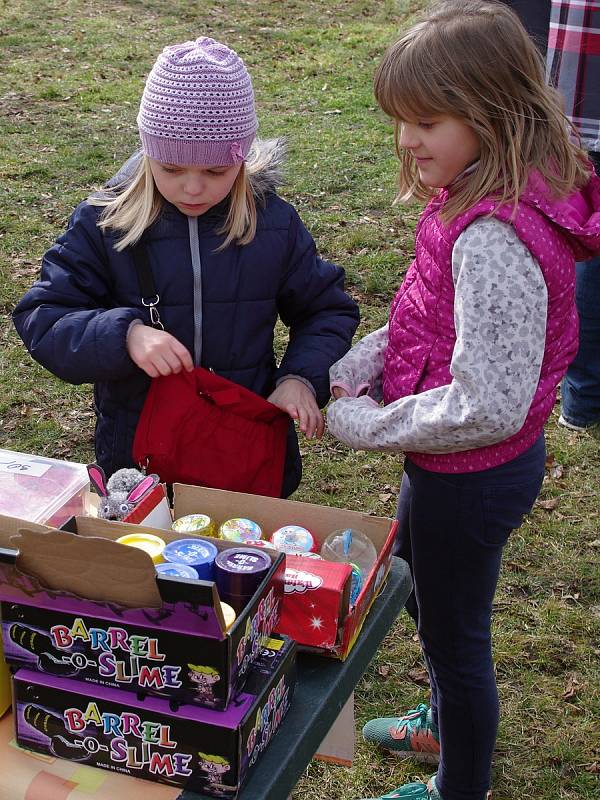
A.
x: 580, y: 389
x: 535, y: 16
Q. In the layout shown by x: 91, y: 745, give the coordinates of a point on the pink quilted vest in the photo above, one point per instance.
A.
x: 421, y: 331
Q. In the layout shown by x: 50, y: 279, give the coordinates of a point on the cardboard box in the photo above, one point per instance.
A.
x: 41, y: 490
x: 136, y: 631
x: 9, y: 525
x: 32, y: 776
x: 202, y: 750
x: 333, y: 630
x: 4, y: 682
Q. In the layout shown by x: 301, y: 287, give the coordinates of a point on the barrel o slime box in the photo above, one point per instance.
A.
x: 202, y: 750
x: 78, y: 606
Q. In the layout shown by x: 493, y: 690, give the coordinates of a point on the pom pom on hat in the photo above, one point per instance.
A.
x: 198, y: 106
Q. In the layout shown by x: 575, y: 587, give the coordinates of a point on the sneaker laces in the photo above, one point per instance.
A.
x: 414, y: 720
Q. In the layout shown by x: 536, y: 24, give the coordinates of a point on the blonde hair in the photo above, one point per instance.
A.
x: 204, y: 670
x: 135, y: 204
x: 213, y: 759
x: 473, y: 60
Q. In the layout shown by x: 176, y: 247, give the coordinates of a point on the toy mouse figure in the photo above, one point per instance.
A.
x: 122, y: 492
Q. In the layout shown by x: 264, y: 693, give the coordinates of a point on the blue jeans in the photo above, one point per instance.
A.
x: 580, y: 389
x: 452, y: 531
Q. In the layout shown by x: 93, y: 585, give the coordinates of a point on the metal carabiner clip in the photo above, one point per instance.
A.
x: 155, y: 318
x: 154, y: 315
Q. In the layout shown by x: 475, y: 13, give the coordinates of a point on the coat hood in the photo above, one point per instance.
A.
x: 577, y: 216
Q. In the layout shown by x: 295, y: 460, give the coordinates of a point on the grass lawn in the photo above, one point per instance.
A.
x: 70, y: 85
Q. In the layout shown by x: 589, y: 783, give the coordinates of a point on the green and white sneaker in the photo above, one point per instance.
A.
x: 412, y: 791
x: 415, y: 735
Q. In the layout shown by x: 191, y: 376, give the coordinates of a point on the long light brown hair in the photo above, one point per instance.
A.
x: 473, y: 60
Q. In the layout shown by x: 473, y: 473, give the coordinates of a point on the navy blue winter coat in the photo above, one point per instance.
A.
x: 222, y: 306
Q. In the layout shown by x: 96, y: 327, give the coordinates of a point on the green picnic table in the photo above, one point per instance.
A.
x: 323, y: 687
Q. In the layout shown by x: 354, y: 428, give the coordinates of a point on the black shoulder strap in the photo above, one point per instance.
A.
x: 144, y: 271
x: 150, y: 297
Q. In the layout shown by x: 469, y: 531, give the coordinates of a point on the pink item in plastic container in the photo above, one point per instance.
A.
x: 42, y: 490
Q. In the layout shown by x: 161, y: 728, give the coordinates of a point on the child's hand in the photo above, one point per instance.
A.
x: 338, y: 392
x: 297, y: 400
x: 157, y: 352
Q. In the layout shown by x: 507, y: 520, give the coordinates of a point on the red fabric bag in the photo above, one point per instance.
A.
x: 199, y: 428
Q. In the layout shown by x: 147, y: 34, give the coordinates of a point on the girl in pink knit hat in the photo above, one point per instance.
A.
x: 227, y: 258
x: 479, y: 336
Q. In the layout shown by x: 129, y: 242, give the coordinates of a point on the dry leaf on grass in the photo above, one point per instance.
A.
x: 419, y: 675
x: 571, y: 688
x: 549, y: 505
x: 383, y: 670
x: 516, y: 567
x: 573, y: 597
x: 556, y: 471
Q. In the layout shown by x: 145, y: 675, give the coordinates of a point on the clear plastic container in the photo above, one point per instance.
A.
x: 43, y: 490
x: 352, y: 547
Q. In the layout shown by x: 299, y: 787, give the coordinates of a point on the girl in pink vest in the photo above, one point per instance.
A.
x: 479, y: 336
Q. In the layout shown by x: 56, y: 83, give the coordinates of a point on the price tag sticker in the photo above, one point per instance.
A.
x: 21, y: 465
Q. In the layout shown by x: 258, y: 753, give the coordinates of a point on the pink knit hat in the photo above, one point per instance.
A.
x: 198, y: 106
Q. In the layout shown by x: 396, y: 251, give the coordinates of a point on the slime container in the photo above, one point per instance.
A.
x: 178, y: 570
x: 238, y: 572
x: 197, y: 553
x: 148, y: 542
x: 308, y: 555
x: 199, y: 524
x: 240, y: 530
x: 293, y: 539
x: 229, y: 615
x: 263, y: 543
